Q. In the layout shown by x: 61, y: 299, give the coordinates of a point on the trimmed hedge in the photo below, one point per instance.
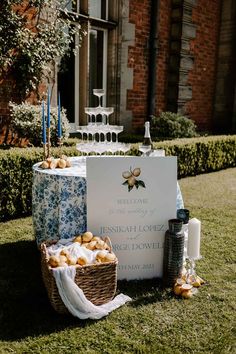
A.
x: 16, y: 179
x: 195, y: 156
x: 202, y: 155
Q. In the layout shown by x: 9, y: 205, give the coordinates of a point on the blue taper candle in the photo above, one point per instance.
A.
x: 48, y: 111
x: 44, y: 126
x: 59, y: 133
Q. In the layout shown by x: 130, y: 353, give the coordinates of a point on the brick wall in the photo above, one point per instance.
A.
x: 7, y: 94
x: 139, y: 57
x: 206, y: 16
x: 139, y: 14
x: 163, y: 54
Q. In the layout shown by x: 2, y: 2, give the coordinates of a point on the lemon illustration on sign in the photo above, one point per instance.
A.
x: 131, y: 181
x: 131, y: 178
x: 126, y: 174
x: 136, y: 172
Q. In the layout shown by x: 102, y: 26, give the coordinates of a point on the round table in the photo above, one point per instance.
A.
x: 59, y: 201
x: 59, y: 208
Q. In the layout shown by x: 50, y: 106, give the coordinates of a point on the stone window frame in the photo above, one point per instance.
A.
x: 109, y: 26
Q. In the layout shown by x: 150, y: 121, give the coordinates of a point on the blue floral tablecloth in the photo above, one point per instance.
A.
x: 59, y: 201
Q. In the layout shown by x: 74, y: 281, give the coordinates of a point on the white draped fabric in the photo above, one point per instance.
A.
x: 75, y: 300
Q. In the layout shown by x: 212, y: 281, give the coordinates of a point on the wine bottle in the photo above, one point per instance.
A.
x: 147, y: 136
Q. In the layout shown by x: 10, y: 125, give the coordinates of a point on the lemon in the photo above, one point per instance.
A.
x: 180, y: 281
x: 78, y: 239
x: 196, y: 283
x: 136, y: 172
x: 200, y: 280
x: 177, y: 289
x: 131, y: 181
x: 87, y: 236
x: 126, y: 174
x: 61, y: 163
x: 82, y: 260
x: 187, y: 294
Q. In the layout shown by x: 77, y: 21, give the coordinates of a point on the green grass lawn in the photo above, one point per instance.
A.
x: 155, y: 321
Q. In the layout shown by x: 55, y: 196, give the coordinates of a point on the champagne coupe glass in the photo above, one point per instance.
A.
x: 99, y: 129
x: 88, y: 129
x: 86, y: 132
x: 80, y: 130
x: 96, y: 112
x: 103, y: 114
x: 90, y: 111
x: 93, y: 132
x: 108, y: 111
x: 99, y: 93
x: 117, y: 129
x: 105, y: 131
x: 145, y: 149
x: 81, y: 147
x: 125, y: 148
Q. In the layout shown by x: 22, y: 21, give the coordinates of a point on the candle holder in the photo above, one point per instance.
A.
x: 59, y: 142
x: 44, y: 151
x: 48, y: 143
x: 191, y: 273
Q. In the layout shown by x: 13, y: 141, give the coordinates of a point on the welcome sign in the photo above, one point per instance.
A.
x: 131, y: 199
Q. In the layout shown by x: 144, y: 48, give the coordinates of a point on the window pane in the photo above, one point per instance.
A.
x: 66, y: 84
x: 95, y: 64
x: 97, y: 8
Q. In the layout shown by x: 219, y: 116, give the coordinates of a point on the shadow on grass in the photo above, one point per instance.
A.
x: 25, y: 308
x: 144, y: 292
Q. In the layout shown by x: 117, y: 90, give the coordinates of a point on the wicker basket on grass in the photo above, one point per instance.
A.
x: 98, y: 281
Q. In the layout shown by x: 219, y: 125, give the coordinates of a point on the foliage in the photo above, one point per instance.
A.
x: 195, y: 156
x: 26, y: 121
x: 201, y: 155
x: 173, y: 125
x: 130, y: 138
x: 16, y: 179
x: 155, y: 321
x: 33, y: 34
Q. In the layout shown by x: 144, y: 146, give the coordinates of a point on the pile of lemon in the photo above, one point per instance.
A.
x: 88, y: 241
x: 51, y: 163
x: 187, y: 287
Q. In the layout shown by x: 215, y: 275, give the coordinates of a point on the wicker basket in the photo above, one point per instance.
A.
x: 98, y: 281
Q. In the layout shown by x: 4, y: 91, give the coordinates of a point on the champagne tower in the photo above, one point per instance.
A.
x: 104, y: 136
